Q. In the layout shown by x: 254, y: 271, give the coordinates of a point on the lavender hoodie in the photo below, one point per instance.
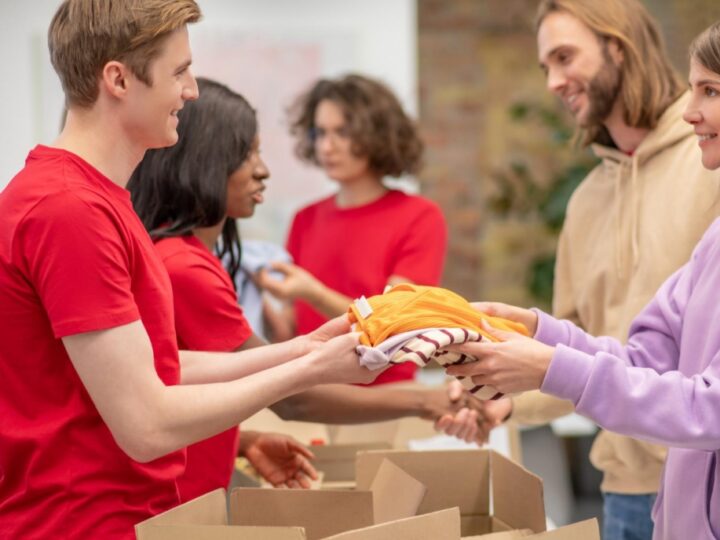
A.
x: 663, y: 386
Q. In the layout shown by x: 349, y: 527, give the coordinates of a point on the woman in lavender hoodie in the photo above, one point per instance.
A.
x: 664, y: 385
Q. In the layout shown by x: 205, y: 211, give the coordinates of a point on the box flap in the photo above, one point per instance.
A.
x: 517, y: 534
x: 586, y: 530
x: 452, y: 477
x: 222, y: 532
x: 321, y: 513
x: 208, y: 509
x: 517, y: 495
x: 396, y: 494
x: 337, y: 461
x: 442, y: 525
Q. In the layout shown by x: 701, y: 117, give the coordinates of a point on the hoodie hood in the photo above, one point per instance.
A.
x: 671, y: 130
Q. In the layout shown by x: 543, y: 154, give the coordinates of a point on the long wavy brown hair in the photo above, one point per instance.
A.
x: 650, y: 84
x: 379, y: 128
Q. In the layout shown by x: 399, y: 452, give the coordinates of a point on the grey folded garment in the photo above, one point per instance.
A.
x: 256, y: 255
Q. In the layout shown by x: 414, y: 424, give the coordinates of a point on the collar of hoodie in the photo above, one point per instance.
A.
x: 624, y: 171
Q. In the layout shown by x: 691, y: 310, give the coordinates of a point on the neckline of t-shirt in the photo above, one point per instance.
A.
x: 389, y: 195
x: 102, y: 180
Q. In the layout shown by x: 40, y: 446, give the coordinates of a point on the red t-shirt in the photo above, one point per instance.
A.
x: 207, y: 318
x: 74, y: 258
x: 355, y: 250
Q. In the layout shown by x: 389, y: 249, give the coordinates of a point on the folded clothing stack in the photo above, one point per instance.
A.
x: 414, y: 323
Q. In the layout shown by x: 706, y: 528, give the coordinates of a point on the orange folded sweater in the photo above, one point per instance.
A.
x: 408, y: 307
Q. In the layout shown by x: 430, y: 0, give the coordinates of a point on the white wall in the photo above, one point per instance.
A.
x: 248, y: 44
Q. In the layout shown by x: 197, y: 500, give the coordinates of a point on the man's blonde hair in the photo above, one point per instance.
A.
x: 84, y: 35
x: 649, y: 82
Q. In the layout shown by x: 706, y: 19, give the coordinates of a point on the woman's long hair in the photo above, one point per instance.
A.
x: 177, y: 189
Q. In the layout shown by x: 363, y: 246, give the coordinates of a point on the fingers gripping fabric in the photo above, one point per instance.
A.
x: 412, y: 323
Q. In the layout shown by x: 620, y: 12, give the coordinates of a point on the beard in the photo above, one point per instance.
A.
x: 603, y: 90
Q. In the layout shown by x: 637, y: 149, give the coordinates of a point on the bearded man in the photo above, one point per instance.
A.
x: 631, y: 223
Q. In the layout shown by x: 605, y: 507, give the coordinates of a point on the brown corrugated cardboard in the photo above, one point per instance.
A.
x: 584, y: 530
x: 396, y: 494
x: 516, y: 534
x: 462, y: 478
x: 337, y: 461
x: 442, y: 525
x: 318, y: 513
x: 220, y: 532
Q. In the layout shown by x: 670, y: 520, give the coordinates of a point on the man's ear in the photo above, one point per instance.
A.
x: 616, y: 51
x: 115, y: 78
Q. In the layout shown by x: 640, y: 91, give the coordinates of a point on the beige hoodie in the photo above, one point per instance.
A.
x: 631, y: 223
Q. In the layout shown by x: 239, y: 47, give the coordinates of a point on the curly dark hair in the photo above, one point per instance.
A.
x: 379, y: 128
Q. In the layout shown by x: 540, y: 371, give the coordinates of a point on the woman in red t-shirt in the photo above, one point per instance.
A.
x: 188, y: 197
x: 366, y: 236
x: 167, y: 195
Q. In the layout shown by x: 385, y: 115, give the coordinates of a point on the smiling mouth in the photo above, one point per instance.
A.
x: 704, y: 138
x: 571, y: 101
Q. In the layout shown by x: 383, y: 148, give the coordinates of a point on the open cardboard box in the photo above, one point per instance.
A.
x: 584, y: 530
x: 280, y: 514
x: 470, y: 480
x: 336, y: 463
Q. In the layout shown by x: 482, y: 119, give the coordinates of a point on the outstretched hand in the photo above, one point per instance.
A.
x: 515, y: 363
x: 280, y: 460
x: 512, y: 313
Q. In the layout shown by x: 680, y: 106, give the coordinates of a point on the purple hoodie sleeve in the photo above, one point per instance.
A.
x: 637, y: 389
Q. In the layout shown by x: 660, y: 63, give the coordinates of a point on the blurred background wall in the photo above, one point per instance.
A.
x: 498, y: 159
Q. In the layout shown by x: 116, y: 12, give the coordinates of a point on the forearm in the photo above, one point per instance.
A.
x: 553, y: 332
x: 197, y: 367
x: 184, y: 414
x: 327, y: 301
x: 669, y: 408
x: 347, y: 404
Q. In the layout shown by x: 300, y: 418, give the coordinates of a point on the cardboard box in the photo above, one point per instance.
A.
x: 584, y: 530
x: 289, y: 514
x: 467, y: 479
x: 337, y: 461
x: 441, y: 525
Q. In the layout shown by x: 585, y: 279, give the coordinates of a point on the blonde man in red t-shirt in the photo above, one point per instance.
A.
x: 96, y: 402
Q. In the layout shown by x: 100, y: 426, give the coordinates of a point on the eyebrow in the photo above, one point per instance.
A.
x: 186, y: 64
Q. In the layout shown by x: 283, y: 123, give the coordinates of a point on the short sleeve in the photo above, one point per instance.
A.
x: 77, y: 255
x: 421, y: 255
x: 207, y: 314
